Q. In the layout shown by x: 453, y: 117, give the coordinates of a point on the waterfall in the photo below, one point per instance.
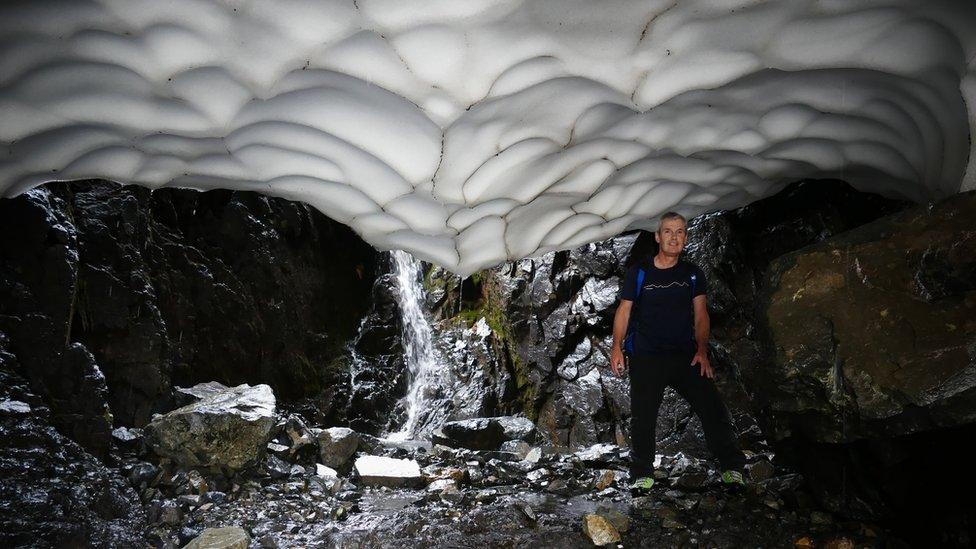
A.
x: 427, y: 400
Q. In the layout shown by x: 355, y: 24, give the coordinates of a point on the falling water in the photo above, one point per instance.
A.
x: 426, y: 401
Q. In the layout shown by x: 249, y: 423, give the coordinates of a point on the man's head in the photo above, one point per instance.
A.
x: 672, y: 233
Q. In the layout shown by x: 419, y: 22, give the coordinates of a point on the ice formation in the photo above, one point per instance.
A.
x: 471, y: 132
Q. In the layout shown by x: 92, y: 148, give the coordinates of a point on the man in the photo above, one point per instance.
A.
x: 665, y: 327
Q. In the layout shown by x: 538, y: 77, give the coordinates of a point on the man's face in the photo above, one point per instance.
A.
x: 671, y: 236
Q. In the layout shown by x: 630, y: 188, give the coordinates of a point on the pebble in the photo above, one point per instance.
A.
x: 599, y: 530
x: 820, y: 518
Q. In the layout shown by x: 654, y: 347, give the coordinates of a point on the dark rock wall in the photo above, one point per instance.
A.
x: 552, y: 316
x: 175, y: 287
x: 52, y: 492
x: 376, y: 375
x: 39, y: 264
x: 871, y: 363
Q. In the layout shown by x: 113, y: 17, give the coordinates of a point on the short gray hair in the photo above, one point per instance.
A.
x: 670, y: 215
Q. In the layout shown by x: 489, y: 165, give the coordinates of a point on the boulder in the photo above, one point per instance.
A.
x: 477, y: 434
x: 484, y: 433
x: 128, y: 439
x: 868, y: 364
x: 276, y: 467
x: 231, y: 537
x: 299, y: 435
x: 385, y: 471
x: 760, y: 470
x: 227, y: 428
x: 872, y: 331
x: 337, y: 445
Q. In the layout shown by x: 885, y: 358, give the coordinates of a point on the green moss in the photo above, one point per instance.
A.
x: 434, y: 279
x: 491, y: 308
x: 526, y: 390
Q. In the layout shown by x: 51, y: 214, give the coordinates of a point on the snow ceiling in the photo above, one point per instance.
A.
x: 469, y: 132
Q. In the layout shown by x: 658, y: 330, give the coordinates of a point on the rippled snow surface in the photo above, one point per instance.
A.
x: 473, y: 132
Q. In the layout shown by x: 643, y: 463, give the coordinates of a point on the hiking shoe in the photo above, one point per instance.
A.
x: 733, y: 478
x: 642, y: 485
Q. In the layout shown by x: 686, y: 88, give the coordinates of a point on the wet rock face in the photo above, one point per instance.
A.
x: 177, y: 287
x: 376, y: 371
x: 52, y: 492
x: 39, y: 282
x: 559, y: 309
x: 735, y: 249
x: 226, y: 429
x: 551, y: 317
x: 874, y: 331
x: 372, y: 375
x: 873, y: 355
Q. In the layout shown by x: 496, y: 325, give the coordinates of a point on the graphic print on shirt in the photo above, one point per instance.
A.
x: 662, y: 286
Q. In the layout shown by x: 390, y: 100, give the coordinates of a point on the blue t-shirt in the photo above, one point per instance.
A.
x: 664, y: 313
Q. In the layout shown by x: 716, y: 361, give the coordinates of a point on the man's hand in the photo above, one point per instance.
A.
x: 701, y: 358
x: 617, y: 362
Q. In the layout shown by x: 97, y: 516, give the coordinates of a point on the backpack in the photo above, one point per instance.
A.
x: 632, y: 325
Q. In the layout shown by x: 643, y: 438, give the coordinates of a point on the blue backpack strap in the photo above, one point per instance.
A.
x: 632, y: 327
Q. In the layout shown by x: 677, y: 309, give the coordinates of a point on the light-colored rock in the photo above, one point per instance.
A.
x: 604, y: 480
x: 516, y: 428
x: 599, y: 530
x: 517, y: 447
x: 231, y: 537
x: 337, y: 445
x: 227, y: 427
x: 598, y: 454
x: 385, y: 471
x: 441, y: 484
x: 13, y: 407
x: 327, y: 478
x: 325, y: 471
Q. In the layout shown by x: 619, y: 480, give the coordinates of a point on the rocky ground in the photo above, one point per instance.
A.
x: 518, y: 493
x: 282, y: 483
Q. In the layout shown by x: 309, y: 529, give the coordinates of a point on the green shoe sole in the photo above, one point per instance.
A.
x: 643, y: 484
x: 733, y: 478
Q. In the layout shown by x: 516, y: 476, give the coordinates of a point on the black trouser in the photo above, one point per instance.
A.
x: 649, y: 375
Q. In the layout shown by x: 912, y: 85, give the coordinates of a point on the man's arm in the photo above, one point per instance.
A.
x: 620, y: 321
x: 702, y: 328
